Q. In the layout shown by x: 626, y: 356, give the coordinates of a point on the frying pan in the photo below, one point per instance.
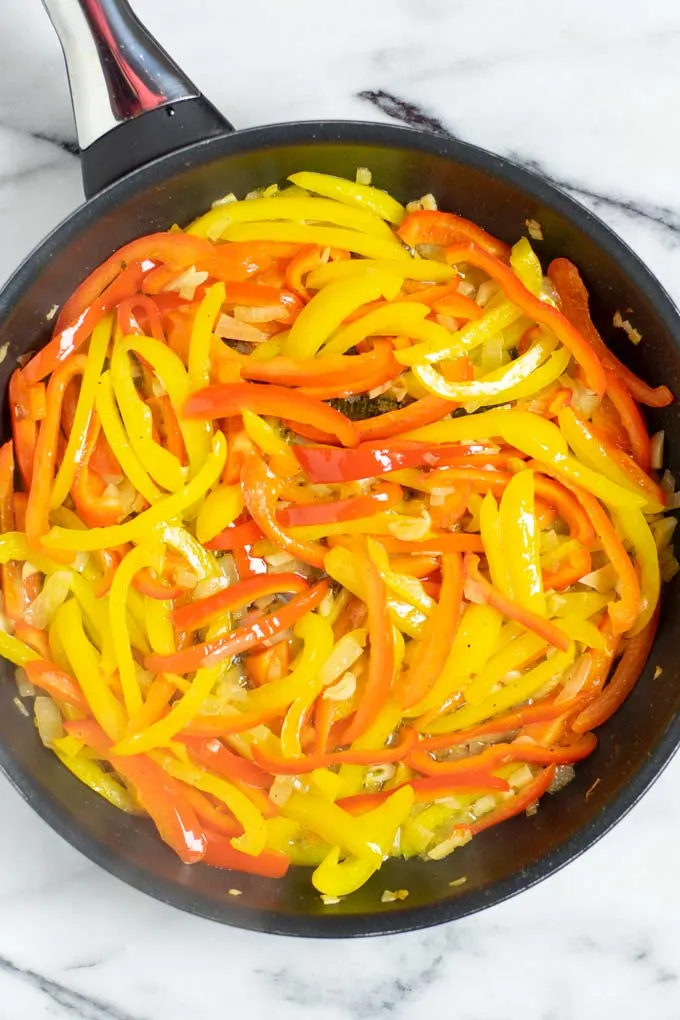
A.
x: 155, y: 152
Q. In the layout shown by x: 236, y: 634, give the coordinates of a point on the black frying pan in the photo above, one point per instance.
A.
x: 154, y: 151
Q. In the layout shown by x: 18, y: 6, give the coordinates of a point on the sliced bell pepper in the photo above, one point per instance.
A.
x: 140, y: 314
x: 443, y: 228
x: 410, y: 269
x: 519, y: 540
x: 201, y: 335
x: 199, y: 613
x: 490, y: 531
x: 631, y: 419
x: 635, y: 530
x: 112, y: 427
x: 360, y: 196
x: 527, y: 796
x: 219, y: 759
x: 14, y: 591
x: 24, y: 425
x: 219, y: 853
x: 236, y: 537
x: 370, y: 246
x: 383, y: 496
x: 58, y: 684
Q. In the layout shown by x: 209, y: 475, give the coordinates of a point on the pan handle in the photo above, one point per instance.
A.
x: 131, y: 101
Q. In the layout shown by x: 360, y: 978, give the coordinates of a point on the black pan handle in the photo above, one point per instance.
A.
x: 131, y: 101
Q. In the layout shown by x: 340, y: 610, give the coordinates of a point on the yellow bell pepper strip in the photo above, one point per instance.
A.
x: 336, y: 878
x: 203, y: 564
x: 38, y: 505
x: 369, y: 245
x: 93, y: 775
x: 573, y: 296
x: 143, y: 556
x: 263, y: 211
x: 476, y: 638
x: 538, y: 310
x: 479, y: 590
x: 636, y: 531
x: 545, y: 375
x: 583, y: 631
x: 331, y: 306
x: 165, y: 469
x: 219, y: 509
x: 243, y: 639
x: 343, y: 569
x: 525, y: 264
x: 503, y: 382
x: 16, y: 651
x: 519, y: 541
x: 382, y: 651
x: 139, y: 527
x: 513, y: 693
x: 261, y: 491
x: 412, y: 269
x: 517, y: 654
x: 117, y: 438
x: 86, y: 667
x: 197, y: 614
x: 265, y: 436
x: 622, y: 682
x: 444, y: 346
x: 359, y: 196
x: 334, y: 825
x: 158, y: 626
x: 316, y: 633
x: 77, y: 440
x: 277, y: 695
x: 396, y: 318
x: 201, y: 335
x: 438, y: 636
x: 536, y: 437
x: 491, y: 540
x: 175, y: 380
x: 231, y: 399
x: 593, y: 453
x: 404, y: 585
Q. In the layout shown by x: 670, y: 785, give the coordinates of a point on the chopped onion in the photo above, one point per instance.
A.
x: 42, y: 609
x: 344, y: 654
x: 229, y: 329
x: 656, y: 445
x: 228, y: 567
x: 667, y: 482
x: 264, y: 313
x: 483, y: 806
x: 225, y: 200
x: 209, y: 585
x: 28, y: 570
x: 24, y: 685
x: 378, y: 391
x: 466, y: 288
x: 20, y: 705
x: 534, y: 230
x: 520, y: 777
x: 576, y: 678
x: 663, y: 531
x: 281, y: 789
x: 380, y: 774
x: 187, y: 282
x: 343, y: 689
x: 449, y: 845
x: 411, y: 529
x: 563, y: 775
x: 157, y: 387
x: 673, y: 501
x: 631, y: 332
x: 186, y: 579
x: 485, y: 292
x: 448, y: 322
x: 391, y: 897
x: 438, y: 496
x: 601, y: 580
x: 279, y: 559
x: 364, y: 176
x: 48, y: 720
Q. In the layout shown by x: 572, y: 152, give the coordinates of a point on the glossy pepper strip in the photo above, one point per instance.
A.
x: 428, y: 789
x: 573, y: 295
x: 14, y: 592
x: 260, y: 491
x: 242, y: 639
x: 24, y: 426
x: 362, y: 196
x: 328, y: 464
x: 73, y: 336
x: 438, y: 635
x: 277, y: 765
x: 478, y: 589
x: 163, y: 798
x: 219, y: 853
x: 198, y: 614
x: 527, y: 796
x: 337, y: 368
x: 519, y: 539
x: 445, y: 229
x: 112, y: 426
x: 631, y: 419
x: 383, y: 496
x: 58, y: 684
x: 146, y: 555
x: 219, y: 759
x: 228, y: 400
x: 537, y: 310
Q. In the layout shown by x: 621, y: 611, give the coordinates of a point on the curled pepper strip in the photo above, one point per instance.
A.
x: 444, y: 228
x: 198, y: 614
x: 531, y: 793
x: 24, y: 426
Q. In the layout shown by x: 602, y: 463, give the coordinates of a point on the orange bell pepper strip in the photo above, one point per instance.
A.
x: 262, y: 629
x: 146, y: 583
x: 93, y: 502
x: 32, y: 636
x: 215, y: 818
x: 236, y: 536
x: 445, y: 229
x: 383, y: 496
x: 515, y: 291
x: 261, y: 491
x: 428, y: 789
x: 631, y: 419
x: 438, y: 634
x: 421, y: 412
x: 381, y: 367
x: 139, y: 314
x: 568, y: 572
x: 315, y: 371
x: 158, y: 697
x: 13, y: 588
x: 239, y: 446
x: 226, y: 725
x: 573, y: 296
x: 623, y: 681
x: 540, y: 712
x: 24, y: 426
x: 330, y: 464
x: 202, y: 611
x: 228, y: 399
x: 458, y: 306
x: 219, y: 759
x: 54, y: 681
x: 277, y: 765
x: 478, y: 589
x: 72, y: 336
x: 219, y: 853
x: 38, y: 506
x: 527, y: 796
x: 268, y: 665
x: 624, y: 612
x: 522, y: 749
x: 161, y: 796
x: 308, y: 258
x: 381, y: 661
x: 237, y: 261
x: 569, y: 509
x: 439, y: 544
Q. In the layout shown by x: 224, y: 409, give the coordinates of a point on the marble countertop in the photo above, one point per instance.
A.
x: 588, y: 94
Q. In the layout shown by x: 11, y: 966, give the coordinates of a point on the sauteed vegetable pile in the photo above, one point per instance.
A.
x: 331, y: 531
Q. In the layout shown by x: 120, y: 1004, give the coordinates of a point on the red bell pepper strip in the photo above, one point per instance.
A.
x: 622, y: 682
x: 78, y: 330
x: 199, y: 613
x: 438, y: 635
x: 92, y: 500
x: 383, y: 496
x: 445, y: 228
x: 541, y: 711
x: 223, y: 762
x: 241, y: 640
x: 631, y: 419
x: 32, y: 636
x: 428, y: 789
x: 59, y: 685
x: 229, y: 399
x: 515, y: 291
x: 161, y: 796
x: 569, y: 509
x: 478, y: 589
x: 379, y: 368
x: 235, y: 261
x: 573, y: 295
x: 210, y: 726
x: 139, y: 314
x: 527, y: 796
x: 277, y: 765
x: 236, y: 537
x: 24, y: 426
x: 307, y: 259
x: 522, y: 749
x: 13, y: 587
x: 568, y: 572
x: 219, y: 853
x: 261, y: 490
x: 147, y: 583
x: 313, y: 371
x: 382, y: 658
x: 379, y: 457
x: 434, y: 296
x: 269, y: 664
x: 439, y: 544
x: 215, y: 817
x: 421, y: 412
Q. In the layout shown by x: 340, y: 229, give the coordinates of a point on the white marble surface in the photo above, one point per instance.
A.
x: 587, y: 91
